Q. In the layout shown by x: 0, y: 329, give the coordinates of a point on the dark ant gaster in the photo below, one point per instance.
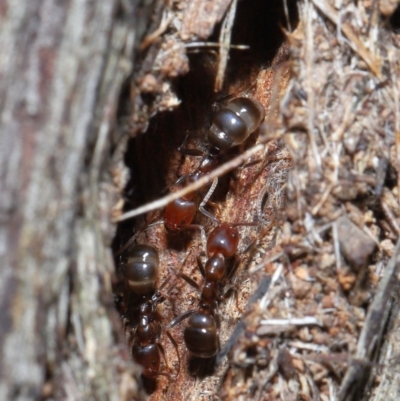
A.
x: 233, y: 124
x: 140, y: 270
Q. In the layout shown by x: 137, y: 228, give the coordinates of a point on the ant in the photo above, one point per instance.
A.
x: 231, y: 125
x: 146, y: 349
x: 140, y: 272
x: 201, y: 332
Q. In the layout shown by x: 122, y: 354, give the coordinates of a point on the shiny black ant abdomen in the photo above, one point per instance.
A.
x: 233, y: 124
x: 141, y: 269
x: 201, y: 334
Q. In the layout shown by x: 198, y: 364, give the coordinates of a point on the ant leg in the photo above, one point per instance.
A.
x: 233, y: 286
x: 250, y: 164
x: 126, y: 245
x: 164, y: 283
x: 172, y: 286
x: 158, y: 296
x: 189, y: 280
x: 175, y: 344
x: 206, y: 199
x: 187, y: 151
x: 250, y: 247
x: 232, y: 272
x: 261, y: 201
x: 133, y: 238
x: 181, y: 317
x: 222, y: 100
x: 200, y: 264
x: 224, y: 296
x: 197, y: 227
x: 215, y: 205
x: 234, y: 269
x: 191, y: 152
x: 161, y: 349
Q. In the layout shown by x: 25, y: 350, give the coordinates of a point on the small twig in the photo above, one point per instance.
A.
x: 131, y: 240
x: 225, y: 40
x: 273, y: 369
x: 152, y: 37
x: 311, y: 92
x: 265, y: 263
x: 336, y: 245
x: 305, y: 321
x: 324, y: 197
x: 215, y: 44
x: 287, y: 16
x: 309, y: 346
x: 373, y: 326
x: 275, y: 277
x: 390, y: 217
x: 160, y: 203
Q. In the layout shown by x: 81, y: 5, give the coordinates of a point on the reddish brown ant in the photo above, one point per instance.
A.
x: 145, y: 350
x: 231, y: 125
x: 201, y: 332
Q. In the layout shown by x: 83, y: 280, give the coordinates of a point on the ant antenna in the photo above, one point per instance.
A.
x: 133, y: 238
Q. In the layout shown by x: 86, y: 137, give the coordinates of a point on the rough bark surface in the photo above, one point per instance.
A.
x: 62, y: 66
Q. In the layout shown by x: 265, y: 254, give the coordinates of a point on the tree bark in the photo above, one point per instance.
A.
x: 62, y: 67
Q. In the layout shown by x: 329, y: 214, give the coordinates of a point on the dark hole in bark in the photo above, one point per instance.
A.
x: 395, y: 20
